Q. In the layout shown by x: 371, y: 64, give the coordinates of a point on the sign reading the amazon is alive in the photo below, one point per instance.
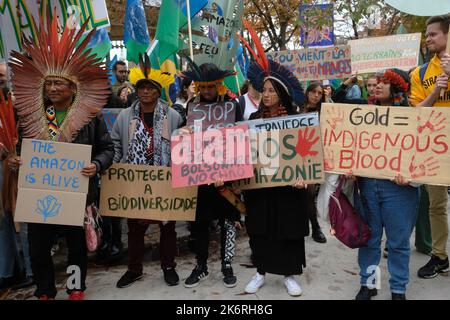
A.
x: 145, y: 192
x: 381, y: 142
x: 283, y: 156
x: 51, y: 187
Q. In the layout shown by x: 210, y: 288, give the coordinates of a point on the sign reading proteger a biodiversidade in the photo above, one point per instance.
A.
x: 145, y: 192
x: 380, y: 142
x: 51, y: 187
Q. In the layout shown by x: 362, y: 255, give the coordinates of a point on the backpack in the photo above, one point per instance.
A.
x: 423, y: 70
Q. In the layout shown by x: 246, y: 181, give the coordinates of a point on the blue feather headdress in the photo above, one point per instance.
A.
x: 262, y: 69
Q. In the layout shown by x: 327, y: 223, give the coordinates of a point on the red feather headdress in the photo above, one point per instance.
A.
x: 54, y: 55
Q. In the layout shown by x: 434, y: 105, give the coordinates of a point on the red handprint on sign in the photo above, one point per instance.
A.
x: 434, y: 123
x: 328, y: 159
x: 428, y: 167
x: 305, y: 143
x: 335, y: 117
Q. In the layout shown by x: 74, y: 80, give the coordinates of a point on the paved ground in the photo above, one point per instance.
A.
x: 331, y: 273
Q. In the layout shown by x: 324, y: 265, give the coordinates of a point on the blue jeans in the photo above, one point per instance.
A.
x: 382, y: 203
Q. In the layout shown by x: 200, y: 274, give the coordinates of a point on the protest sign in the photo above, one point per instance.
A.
x: 381, y: 142
x: 204, y: 116
x: 145, y: 192
x: 282, y: 156
x: 51, y: 187
x: 316, y: 63
x: 281, y: 123
x: 208, y: 156
x: 214, y: 31
x: 378, y: 53
x: 317, y: 22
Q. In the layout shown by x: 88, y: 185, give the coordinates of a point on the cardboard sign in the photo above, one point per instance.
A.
x: 51, y: 207
x: 380, y: 142
x: 282, y: 156
x: 51, y: 187
x: 204, y: 116
x: 282, y: 123
x: 378, y: 53
x: 54, y: 166
x: 316, y: 63
x: 145, y: 192
x: 205, y: 157
x: 312, y: 33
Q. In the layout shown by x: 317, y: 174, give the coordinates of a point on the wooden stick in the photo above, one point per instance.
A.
x: 447, y: 50
x: 188, y: 9
x: 237, y: 81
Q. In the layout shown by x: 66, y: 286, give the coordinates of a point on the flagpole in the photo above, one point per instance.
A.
x: 237, y: 81
x: 188, y: 9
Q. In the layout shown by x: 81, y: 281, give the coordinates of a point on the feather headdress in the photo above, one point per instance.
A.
x: 261, y: 69
x: 207, y: 74
x: 145, y: 72
x: 54, y: 55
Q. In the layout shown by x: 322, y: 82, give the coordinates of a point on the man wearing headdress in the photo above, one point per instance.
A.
x: 211, y: 205
x: 141, y: 136
x: 60, y: 89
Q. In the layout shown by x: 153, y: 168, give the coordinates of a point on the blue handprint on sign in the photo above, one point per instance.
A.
x: 48, y: 207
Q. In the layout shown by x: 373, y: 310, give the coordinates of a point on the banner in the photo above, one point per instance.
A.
x: 16, y: 17
x: 380, y: 142
x: 282, y: 123
x: 145, y: 192
x: 421, y: 8
x: 317, y: 25
x: 214, y: 33
x: 316, y: 63
x: 203, y: 116
x: 282, y: 156
x: 51, y: 188
x: 208, y: 156
x: 378, y: 53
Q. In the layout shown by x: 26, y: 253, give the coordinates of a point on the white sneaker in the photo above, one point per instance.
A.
x: 254, y: 284
x: 292, y: 286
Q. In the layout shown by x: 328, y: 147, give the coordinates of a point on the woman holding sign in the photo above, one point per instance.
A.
x: 277, y: 219
x: 389, y: 205
x: 60, y: 92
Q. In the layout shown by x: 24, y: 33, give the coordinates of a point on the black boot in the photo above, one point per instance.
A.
x: 366, y: 293
x: 318, y: 236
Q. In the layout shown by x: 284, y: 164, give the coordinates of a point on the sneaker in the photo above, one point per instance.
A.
x: 318, y: 236
x: 292, y: 286
x: 199, y: 273
x: 76, y: 295
x: 254, y: 284
x: 365, y: 293
x: 171, y: 277
x: 398, y: 296
x: 229, y: 279
x: 433, y: 268
x: 128, y: 279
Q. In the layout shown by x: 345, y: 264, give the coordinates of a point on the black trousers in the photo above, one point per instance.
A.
x: 112, y: 231
x: 41, y: 238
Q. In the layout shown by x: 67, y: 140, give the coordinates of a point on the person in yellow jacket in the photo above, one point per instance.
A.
x: 427, y: 82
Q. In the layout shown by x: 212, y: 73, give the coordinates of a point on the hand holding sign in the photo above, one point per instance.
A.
x: 89, y: 171
x: 434, y: 123
x: 328, y: 159
x: 428, y: 167
x: 305, y: 143
x: 445, y: 63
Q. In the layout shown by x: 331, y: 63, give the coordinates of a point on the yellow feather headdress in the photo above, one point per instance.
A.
x: 144, y: 72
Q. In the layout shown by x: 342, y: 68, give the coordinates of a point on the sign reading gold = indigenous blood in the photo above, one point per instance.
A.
x: 382, y: 142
